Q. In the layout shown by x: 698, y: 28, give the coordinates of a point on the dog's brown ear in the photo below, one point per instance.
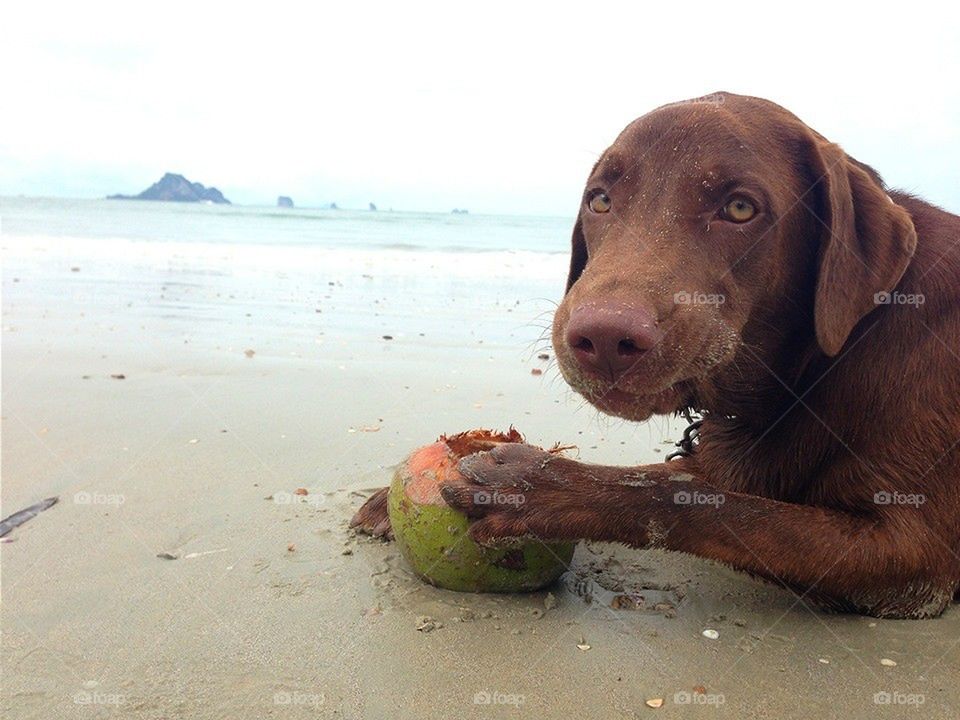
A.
x: 578, y: 254
x: 867, y: 244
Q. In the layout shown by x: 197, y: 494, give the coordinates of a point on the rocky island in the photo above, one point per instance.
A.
x: 284, y: 201
x: 176, y: 188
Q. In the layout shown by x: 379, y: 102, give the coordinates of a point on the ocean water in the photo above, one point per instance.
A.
x: 276, y: 227
x: 237, y: 272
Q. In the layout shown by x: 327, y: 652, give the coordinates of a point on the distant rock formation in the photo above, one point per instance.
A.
x: 284, y: 201
x: 176, y: 188
x: 332, y: 206
x: 459, y: 211
x: 373, y: 208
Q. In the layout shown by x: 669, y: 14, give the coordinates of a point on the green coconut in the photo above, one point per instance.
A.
x: 433, y: 537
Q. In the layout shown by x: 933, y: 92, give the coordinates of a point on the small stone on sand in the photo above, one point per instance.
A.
x: 425, y: 623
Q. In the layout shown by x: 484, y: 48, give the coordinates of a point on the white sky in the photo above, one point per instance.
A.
x: 496, y: 107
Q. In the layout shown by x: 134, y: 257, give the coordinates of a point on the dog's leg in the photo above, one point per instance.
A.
x: 880, y: 564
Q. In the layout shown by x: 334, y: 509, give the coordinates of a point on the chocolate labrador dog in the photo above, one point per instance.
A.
x: 727, y: 259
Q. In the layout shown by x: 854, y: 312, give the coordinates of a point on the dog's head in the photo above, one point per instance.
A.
x: 711, y: 228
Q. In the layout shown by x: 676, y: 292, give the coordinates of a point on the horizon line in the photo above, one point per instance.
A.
x: 294, y: 208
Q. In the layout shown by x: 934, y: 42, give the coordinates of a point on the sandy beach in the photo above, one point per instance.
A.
x: 174, y: 396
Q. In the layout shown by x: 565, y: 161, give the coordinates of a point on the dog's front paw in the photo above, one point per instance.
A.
x: 514, y: 491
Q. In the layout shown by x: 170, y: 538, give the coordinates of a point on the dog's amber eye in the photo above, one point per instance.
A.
x: 739, y: 210
x: 599, y: 203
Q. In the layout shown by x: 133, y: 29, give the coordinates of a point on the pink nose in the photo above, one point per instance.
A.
x: 611, y: 337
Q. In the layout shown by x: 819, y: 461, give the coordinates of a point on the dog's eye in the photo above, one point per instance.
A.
x: 599, y: 203
x: 739, y: 210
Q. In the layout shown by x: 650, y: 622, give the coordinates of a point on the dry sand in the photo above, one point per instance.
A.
x: 272, y: 608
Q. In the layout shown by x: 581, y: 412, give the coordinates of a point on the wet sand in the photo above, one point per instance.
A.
x: 271, y: 608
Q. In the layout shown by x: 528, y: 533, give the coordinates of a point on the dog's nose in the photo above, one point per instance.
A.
x: 611, y: 337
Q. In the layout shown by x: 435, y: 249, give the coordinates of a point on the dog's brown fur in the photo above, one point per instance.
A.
x: 820, y: 402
